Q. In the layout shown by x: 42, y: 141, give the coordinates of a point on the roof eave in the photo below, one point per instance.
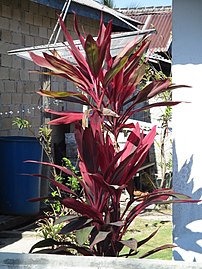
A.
x: 93, y: 11
x: 118, y: 41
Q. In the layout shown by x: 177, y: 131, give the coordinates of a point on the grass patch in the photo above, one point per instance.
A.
x: 143, y: 227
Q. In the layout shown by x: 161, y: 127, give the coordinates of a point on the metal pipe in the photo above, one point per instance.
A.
x: 63, y: 18
x: 63, y: 15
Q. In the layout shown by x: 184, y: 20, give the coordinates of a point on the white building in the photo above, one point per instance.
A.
x: 187, y: 151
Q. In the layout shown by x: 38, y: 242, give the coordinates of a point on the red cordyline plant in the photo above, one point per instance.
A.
x: 105, y: 85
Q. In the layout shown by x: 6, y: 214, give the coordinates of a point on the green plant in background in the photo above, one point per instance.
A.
x: 164, y: 120
x: 45, y: 141
x: 48, y: 229
x: 21, y: 123
x: 72, y: 181
x: 165, y: 117
x: 108, y: 3
x: 48, y: 226
x: 44, y: 134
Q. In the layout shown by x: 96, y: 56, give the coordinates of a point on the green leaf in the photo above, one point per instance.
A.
x: 66, y: 96
x: 92, y: 55
x: 83, y: 234
x: 114, y: 70
x: 63, y: 95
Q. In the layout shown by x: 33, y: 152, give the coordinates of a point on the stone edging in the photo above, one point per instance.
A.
x: 49, y: 261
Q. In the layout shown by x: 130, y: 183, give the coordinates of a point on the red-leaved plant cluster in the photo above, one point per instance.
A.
x: 105, y: 85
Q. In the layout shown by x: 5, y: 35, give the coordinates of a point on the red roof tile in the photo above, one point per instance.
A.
x: 159, y: 18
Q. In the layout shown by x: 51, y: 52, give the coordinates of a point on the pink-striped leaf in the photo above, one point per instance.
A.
x: 72, y: 71
x: 75, y: 51
x: 128, y: 49
x: 66, y: 117
x: 41, y: 61
x: 152, y: 89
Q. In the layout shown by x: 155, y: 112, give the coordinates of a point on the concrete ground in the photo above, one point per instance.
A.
x: 18, y: 242
x: 16, y: 235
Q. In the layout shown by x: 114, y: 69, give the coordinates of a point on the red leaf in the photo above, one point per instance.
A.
x: 169, y: 103
x: 74, y: 50
x: 156, y: 250
x: 145, y: 240
x: 89, y: 151
x: 72, y: 71
x: 67, y: 117
x: 74, y: 224
x: 135, y: 58
x: 129, y: 112
x: 152, y: 89
x: 110, y: 167
x: 61, y: 186
x: 41, y: 61
x: 128, y: 49
x: 83, y: 209
x: 111, y: 73
x: 81, y: 38
x: 132, y: 141
x: 96, y: 121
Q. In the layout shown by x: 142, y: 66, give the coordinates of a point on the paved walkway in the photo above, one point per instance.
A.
x: 14, y: 240
x: 18, y: 242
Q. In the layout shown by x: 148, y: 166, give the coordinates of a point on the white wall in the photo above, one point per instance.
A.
x: 187, y: 130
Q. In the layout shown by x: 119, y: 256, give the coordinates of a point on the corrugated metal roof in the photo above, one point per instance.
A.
x: 159, y: 18
x: 118, y: 41
x: 93, y: 9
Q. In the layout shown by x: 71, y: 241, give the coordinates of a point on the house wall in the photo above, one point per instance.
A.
x: 187, y: 153
x: 26, y: 24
